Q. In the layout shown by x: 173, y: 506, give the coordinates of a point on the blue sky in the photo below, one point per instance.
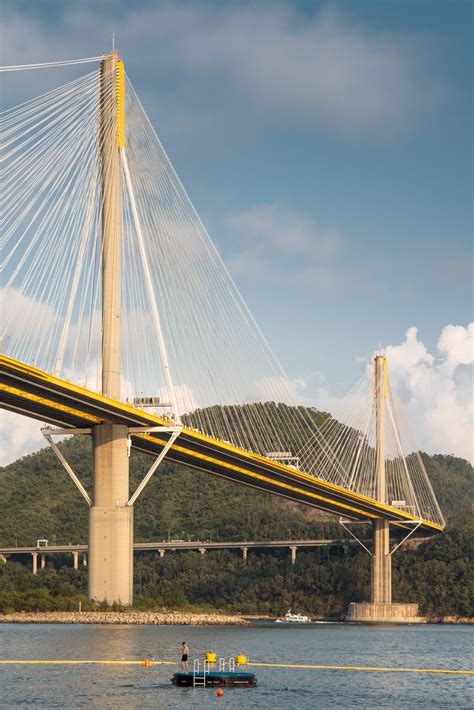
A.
x: 326, y: 145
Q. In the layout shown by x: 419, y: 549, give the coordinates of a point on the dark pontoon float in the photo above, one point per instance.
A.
x: 213, y: 675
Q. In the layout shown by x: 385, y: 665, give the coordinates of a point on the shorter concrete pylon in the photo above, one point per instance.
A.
x: 380, y: 609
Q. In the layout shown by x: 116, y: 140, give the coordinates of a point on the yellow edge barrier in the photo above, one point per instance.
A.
x: 362, y: 668
x: 148, y: 662
x: 74, y: 663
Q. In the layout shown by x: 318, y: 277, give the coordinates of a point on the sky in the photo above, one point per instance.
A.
x: 327, y: 146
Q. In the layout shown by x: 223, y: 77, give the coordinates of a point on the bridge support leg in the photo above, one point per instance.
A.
x: 293, y: 554
x: 75, y: 557
x: 381, y: 569
x: 84, y: 560
x: 245, y: 552
x: 42, y: 560
x: 34, y: 556
x: 162, y: 552
x: 110, y: 518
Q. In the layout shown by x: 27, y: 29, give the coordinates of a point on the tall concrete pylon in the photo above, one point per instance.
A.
x: 381, y: 572
x: 110, y: 516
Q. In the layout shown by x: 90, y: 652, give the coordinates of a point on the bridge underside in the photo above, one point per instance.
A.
x: 32, y: 392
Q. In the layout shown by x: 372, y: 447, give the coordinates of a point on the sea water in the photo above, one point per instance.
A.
x: 64, y: 686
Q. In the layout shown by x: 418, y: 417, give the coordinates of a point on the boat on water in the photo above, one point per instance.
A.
x: 293, y: 618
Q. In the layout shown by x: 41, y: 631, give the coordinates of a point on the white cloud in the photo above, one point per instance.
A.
x: 437, y: 390
x: 42, y: 320
x: 275, y: 388
x: 277, y: 241
x: 231, y: 65
x: 18, y: 436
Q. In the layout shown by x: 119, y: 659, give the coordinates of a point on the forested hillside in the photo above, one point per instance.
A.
x: 37, y: 499
x: 438, y: 575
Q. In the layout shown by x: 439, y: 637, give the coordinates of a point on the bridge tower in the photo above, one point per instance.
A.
x: 110, y: 516
x: 381, y: 572
x: 380, y: 608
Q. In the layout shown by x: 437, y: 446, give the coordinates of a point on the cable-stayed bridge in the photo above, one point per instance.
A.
x: 122, y: 323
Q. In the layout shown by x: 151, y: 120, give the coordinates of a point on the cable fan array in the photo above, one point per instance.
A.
x: 187, y: 335
x: 343, y: 449
x: 51, y: 229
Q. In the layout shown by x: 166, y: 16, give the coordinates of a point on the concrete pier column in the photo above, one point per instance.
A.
x: 110, y: 518
x: 202, y: 550
x: 34, y: 556
x: 42, y: 561
x: 84, y: 560
x: 245, y: 552
x: 293, y: 554
x: 161, y: 551
x: 75, y: 556
x: 381, y: 561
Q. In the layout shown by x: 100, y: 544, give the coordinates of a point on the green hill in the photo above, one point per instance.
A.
x: 37, y: 499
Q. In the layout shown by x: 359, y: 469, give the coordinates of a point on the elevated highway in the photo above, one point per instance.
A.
x: 161, y: 546
x: 182, y: 545
x: 27, y: 390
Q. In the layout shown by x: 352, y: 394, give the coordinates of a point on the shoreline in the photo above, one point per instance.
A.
x: 176, y: 618
x: 151, y: 618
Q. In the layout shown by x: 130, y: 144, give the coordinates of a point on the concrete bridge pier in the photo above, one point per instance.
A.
x: 162, y: 552
x: 293, y: 549
x: 75, y: 557
x: 42, y: 561
x: 34, y: 557
x: 110, y: 518
x: 84, y: 560
x: 245, y: 552
x: 381, y: 564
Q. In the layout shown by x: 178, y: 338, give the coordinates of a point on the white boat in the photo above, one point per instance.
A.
x: 293, y: 618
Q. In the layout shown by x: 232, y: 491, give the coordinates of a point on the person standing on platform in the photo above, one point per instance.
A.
x: 184, y: 656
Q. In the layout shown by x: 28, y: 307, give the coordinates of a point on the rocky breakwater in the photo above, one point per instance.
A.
x: 121, y: 617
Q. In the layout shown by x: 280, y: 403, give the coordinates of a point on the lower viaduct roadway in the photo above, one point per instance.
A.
x: 42, y: 550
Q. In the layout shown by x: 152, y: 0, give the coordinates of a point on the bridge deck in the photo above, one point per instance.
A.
x: 174, y: 545
x: 34, y: 393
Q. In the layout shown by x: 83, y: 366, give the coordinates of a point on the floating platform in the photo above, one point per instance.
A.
x: 214, y: 679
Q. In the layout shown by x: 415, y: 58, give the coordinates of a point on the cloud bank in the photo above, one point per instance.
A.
x: 437, y: 389
x: 247, y: 65
x: 278, y: 242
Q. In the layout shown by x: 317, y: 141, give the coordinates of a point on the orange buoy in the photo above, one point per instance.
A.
x: 220, y: 692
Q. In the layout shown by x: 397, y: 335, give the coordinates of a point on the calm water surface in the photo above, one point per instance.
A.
x: 138, y: 687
